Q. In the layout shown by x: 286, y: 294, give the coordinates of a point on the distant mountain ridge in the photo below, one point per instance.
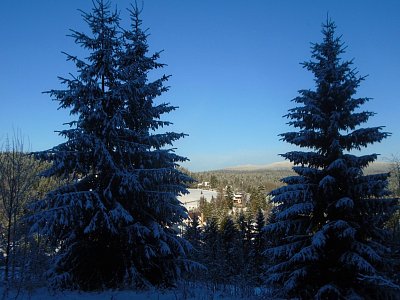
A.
x: 375, y: 167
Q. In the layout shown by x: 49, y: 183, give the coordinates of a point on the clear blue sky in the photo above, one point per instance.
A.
x: 234, y: 66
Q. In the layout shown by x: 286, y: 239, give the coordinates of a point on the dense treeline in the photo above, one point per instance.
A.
x: 270, y: 179
x: 231, y: 250
x: 246, y: 181
x: 222, y: 205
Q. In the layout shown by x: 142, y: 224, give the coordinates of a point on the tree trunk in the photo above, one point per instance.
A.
x: 8, y: 250
x: 14, y: 247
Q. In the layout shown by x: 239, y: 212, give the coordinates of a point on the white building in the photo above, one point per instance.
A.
x: 204, y: 184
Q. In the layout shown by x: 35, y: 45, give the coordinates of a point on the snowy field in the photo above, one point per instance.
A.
x: 191, y: 200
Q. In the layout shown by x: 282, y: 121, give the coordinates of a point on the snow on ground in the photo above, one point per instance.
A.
x: 192, y: 294
x: 191, y: 200
x: 44, y: 294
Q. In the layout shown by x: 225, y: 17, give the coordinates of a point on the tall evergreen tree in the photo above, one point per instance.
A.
x: 245, y: 228
x: 193, y: 233
x: 329, y: 219
x: 211, y: 251
x: 113, y: 223
x: 258, y: 200
x: 258, y: 247
x: 245, y: 235
x: 228, y: 203
x: 231, y: 255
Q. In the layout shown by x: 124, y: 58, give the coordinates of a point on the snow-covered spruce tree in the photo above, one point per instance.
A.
x: 328, y: 225
x: 258, y: 247
x: 193, y: 234
x: 244, y: 252
x: 245, y: 228
x: 113, y: 224
x: 211, y: 251
x: 231, y: 257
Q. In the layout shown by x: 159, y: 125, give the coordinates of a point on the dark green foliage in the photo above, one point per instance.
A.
x: 214, y: 182
x: 231, y: 252
x: 217, y: 208
x: 259, y: 201
x: 193, y: 234
x: 206, y: 207
x: 243, y: 180
x: 210, y: 251
x: 245, y: 228
x: 258, y: 247
x: 228, y: 197
x: 247, y: 271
